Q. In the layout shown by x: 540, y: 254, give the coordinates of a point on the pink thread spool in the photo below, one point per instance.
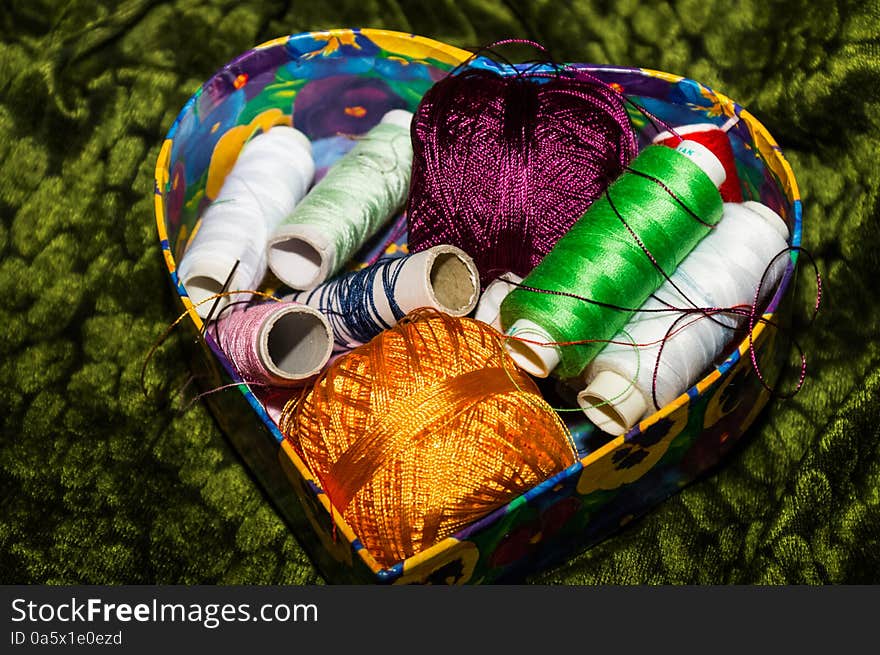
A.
x: 716, y: 140
x: 276, y: 343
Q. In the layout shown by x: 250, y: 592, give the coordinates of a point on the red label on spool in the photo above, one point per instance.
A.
x: 715, y: 140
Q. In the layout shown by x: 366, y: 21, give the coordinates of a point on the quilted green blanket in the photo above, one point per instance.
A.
x: 102, y: 483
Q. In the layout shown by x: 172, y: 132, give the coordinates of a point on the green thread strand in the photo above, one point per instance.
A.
x: 599, y: 259
x: 360, y: 193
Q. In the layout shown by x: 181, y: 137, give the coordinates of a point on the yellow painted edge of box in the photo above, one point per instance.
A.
x: 335, y: 515
x: 415, y: 46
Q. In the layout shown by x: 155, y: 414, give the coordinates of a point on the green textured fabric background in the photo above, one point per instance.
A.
x: 102, y: 485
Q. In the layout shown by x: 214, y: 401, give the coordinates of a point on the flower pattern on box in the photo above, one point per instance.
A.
x: 526, y: 537
x: 632, y: 458
x: 343, y: 104
x: 454, y: 566
x: 732, y: 407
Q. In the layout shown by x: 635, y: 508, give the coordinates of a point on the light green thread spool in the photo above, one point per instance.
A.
x: 358, y: 195
x: 599, y: 259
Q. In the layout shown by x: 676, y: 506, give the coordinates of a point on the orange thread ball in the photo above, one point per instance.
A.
x: 423, y: 430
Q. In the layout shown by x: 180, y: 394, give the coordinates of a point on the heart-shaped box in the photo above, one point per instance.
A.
x: 339, y: 83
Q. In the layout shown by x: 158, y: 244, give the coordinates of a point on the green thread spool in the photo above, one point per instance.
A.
x: 358, y: 195
x: 599, y: 259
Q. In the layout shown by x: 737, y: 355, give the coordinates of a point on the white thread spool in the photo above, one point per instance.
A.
x: 443, y: 277
x: 304, y: 253
x: 540, y: 357
x: 271, y: 175
x: 489, y: 305
x: 724, y: 270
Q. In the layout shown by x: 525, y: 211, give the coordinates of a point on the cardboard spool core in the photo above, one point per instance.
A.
x: 298, y: 260
x: 206, y: 280
x: 202, y: 287
x: 295, y: 343
x: 705, y: 159
x: 534, y: 358
x: 452, y: 281
x: 612, y: 402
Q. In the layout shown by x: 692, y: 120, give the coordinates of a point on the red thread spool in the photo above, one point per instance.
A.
x: 716, y: 140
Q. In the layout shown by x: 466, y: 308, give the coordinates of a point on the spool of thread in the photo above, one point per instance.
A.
x: 363, y: 303
x: 359, y: 194
x: 423, y: 430
x: 616, y: 255
x: 276, y: 343
x: 724, y: 270
x: 503, y: 165
x: 489, y: 305
x: 271, y: 175
x: 716, y: 140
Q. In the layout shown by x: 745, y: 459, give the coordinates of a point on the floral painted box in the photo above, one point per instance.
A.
x: 341, y: 82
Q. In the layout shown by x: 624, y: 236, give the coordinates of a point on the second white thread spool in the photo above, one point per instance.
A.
x: 724, y: 270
